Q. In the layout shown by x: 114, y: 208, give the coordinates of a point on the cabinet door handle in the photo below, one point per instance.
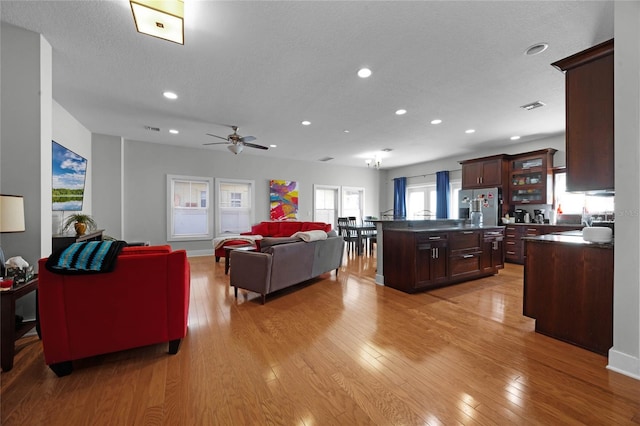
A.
x: 495, y: 245
x: 434, y: 238
x: 437, y: 252
x: 433, y: 253
x: 481, y: 179
x: 467, y: 232
x: 511, y: 252
x: 511, y: 243
x: 467, y: 256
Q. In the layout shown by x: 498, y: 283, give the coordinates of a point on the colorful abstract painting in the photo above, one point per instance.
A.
x: 284, y: 200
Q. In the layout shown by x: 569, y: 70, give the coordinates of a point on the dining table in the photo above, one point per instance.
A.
x: 361, y: 231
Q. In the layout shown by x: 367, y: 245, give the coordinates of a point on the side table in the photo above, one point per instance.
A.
x: 8, y: 332
x: 229, y: 249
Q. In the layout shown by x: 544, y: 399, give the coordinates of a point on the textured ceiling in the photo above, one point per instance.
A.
x: 266, y: 66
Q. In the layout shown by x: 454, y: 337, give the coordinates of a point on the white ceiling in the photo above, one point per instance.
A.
x: 267, y: 65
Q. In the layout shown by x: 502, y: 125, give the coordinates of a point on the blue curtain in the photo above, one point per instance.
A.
x: 442, y: 194
x: 400, y: 198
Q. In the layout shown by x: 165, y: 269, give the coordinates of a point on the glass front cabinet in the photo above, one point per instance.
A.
x: 530, y: 178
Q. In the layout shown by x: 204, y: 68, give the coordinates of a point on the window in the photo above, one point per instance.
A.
x: 422, y: 201
x: 325, y: 204
x: 189, y: 208
x: 234, y: 206
x: 352, y: 202
x: 577, y: 203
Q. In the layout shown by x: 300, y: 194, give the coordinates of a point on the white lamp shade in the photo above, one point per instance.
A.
x: 160, y: 18
x: 11, y: 213
x: 235, y: 148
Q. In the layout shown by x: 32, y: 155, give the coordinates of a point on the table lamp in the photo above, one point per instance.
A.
x: 11, y: 219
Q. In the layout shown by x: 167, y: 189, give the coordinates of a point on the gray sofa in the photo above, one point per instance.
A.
x: 285, y: 264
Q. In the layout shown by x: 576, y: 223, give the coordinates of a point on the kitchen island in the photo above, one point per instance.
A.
x: 568, y: 289
x: 420, y: 255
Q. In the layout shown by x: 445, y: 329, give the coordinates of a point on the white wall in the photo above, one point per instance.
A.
x: 107, y: 183
x: 625, y: 355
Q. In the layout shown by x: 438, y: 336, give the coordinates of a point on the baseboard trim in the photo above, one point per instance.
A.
x: 624, y: 364
x: 379, y: 279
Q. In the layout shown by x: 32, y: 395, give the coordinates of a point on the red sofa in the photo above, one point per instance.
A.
x: 273, y: 229
x: 143, y: 301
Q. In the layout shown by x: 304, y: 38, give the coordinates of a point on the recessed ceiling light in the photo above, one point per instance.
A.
x: 306, y: 123
x: 515, y: 138
x: 173, y: 131
x: 436, y: 121
x: 346, y: 131
x: 470, y: 131
x: 536, y: 49
x: 364, y: 72
x: 170, y: 95
x: 273, y: 145
x: 401, y: 112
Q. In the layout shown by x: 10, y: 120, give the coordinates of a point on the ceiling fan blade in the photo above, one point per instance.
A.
x: 248, y: 138
x: 216, y: 136
x: 253, y: 145
x: 216, y: 143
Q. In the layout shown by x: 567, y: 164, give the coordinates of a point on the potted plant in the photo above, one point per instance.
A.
x: 80, y: 222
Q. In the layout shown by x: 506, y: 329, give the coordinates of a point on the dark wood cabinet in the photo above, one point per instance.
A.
x: 492, y: 251
x: 420, y: 260
x: 464, y: 253
x: 568, y: 289
x: 589, y: 118
x: 483, y: 172
x: 513, y: 234
x: 531, y: 177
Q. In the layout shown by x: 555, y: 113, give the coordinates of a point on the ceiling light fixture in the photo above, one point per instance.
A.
x: 236, y: 148
x: 273, y: 145
x: 401, y: 112
x: 376, y: 162
x: 436, y: 121
x: 173, y: 131
x: 163, y: 19
x: 364, y: 73
x: 305, y: 123
x: 536, y: 49
x: 169, y: 95
x: 514, y: 138
x: 470, y: 131
x: 345, y: 131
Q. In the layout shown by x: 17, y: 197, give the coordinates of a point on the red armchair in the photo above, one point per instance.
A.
x: 144, y: 301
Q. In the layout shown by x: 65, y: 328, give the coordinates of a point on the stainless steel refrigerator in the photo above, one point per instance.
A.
x: 491, y: 204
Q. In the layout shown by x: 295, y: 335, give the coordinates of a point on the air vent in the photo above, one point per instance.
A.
x: 387, y: 150
x: 326, y: 159
x: 533, y: 105
x: 152, y: 129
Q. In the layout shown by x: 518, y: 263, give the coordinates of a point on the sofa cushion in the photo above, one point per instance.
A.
x: 315, y: 226
x: 287, y: 229
x: 261, y: 229
x: 268, y: 242
x: 145, y: 250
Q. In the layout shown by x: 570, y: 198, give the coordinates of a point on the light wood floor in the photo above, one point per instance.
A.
x: 339, y: 351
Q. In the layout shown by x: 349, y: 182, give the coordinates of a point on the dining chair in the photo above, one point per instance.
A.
x: 349, y: 234
x: 369, y: 236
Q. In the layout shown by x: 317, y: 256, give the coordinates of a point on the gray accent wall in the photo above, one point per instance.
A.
x: 145, y: 167
x: 107, y: 185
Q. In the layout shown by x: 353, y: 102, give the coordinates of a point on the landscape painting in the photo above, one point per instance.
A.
x: 68, y: 178
x: 284, y: 200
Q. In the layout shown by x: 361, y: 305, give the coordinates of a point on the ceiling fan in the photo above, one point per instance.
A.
x: 237, y: 142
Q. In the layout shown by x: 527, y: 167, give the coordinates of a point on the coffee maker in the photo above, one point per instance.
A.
x: 519, y: 214
x: 538, y: 215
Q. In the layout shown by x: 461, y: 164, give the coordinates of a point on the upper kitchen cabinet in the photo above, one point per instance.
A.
x: 589, y: 118
x: 484, y: 172
x: 530, y: 177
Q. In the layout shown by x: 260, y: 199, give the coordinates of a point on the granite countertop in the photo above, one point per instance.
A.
x: 563, y: 225
x: 444, y: 228
x: 570, y: 237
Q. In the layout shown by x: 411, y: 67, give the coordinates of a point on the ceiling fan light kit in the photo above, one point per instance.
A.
x: 235, y: 148
x: 159, y: 18
x: 237, y: 142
